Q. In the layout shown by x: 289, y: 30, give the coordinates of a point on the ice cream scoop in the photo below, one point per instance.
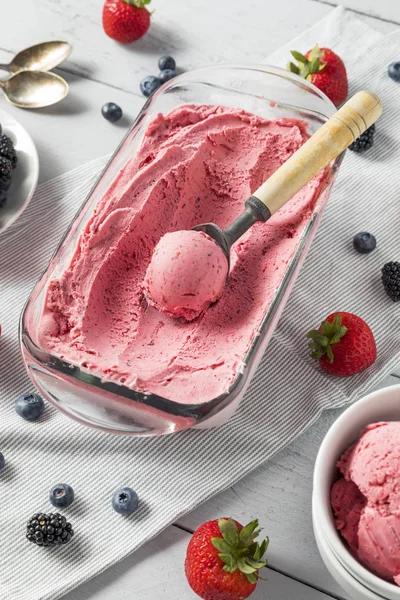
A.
x: 346, y: 125
x: 183, y: 284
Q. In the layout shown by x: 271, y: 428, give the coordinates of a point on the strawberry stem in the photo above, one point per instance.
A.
x: 137, y: 3
x: 325, y: 337
x: 306, y: 67
x: 238, y: 550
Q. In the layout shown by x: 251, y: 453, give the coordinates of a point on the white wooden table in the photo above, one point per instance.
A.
x: 196, y: 33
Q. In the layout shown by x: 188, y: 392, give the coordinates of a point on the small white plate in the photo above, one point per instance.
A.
x: 24, y: 177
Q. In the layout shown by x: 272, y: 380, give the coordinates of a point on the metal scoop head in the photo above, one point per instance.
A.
x: 255, y: 211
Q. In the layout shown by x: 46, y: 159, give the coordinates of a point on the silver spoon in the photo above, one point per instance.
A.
x: 34, y: 89
x: 347, y: 124
x: 41, y: 57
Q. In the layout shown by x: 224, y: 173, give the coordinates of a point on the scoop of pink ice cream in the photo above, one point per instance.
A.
x: 347, y: 503
x: 379, y: 543
x: 186, y: 274
x: 366, y: 501
x: 373, y: 463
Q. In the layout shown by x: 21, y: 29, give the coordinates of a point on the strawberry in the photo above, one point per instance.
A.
x: 126, y: 20
x: 344, y: 344
x: 325, y: 70
x: 222, y: 560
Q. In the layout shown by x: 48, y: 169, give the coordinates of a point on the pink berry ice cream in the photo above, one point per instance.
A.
x: 186, y: 274
x: 366, y: 500
x: 197, y: 164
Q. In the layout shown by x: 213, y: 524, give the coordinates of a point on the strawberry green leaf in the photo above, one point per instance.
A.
x: 293, y: 68
x: 229, y: 531
x: 335, y: 339
x: 312, y: 333
x: 316, y: 53
x: 298, y: 56
x: 314, y: 66
x: 263, y: 547
x: 228, y: 560
x: 137, y: 3
x: 326, y: 328
x: 248, y: 533
x: 244, y: 567
x: 255, y: 551
x: 221, y: 545
x: 256, y: 564
x: 252, y: 577
x: 229, y: 569
x: 330, y: 354
x: 318, y: 338
x: 307, y: 66
x: 330, y: 333
x: 238, y: 550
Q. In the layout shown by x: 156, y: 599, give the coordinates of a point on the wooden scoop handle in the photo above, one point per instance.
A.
x: 347, y: 124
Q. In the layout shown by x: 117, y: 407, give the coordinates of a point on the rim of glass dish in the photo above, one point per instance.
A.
x: 203, y: 410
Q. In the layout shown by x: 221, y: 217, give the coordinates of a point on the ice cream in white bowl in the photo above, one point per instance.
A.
x: 380, y: 406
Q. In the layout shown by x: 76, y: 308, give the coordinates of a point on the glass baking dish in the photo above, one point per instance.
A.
x: 266, y: 91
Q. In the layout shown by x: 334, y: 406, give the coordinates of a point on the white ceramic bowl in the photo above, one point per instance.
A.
x: 347, y: 582
x: 26, y: 174
x: 382, y: 405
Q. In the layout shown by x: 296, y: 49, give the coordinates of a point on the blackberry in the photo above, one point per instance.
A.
x: 3, y: 198
x: 7, y: 150
x: 5, y: 182
x: 48, y: 530
x: 5, y: 166
x: 365, y: 141
x: 5, y: 173
x: 391, y: 280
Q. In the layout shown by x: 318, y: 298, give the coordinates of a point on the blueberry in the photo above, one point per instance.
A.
x: 3, y: 197
x: 166, y: 75
x: 125, y: 501
x: 364, y: 242
x: 61, y: 495
x: 166, y: 62
x: 111, y: 112
x: 149, y: 85
x: 394, y: 71
x: 2, y: 462
x: 29, y: 406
